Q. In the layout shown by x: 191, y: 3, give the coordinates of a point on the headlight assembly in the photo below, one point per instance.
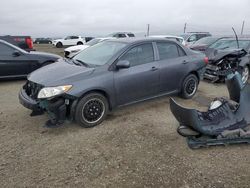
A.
x: 48, y: 92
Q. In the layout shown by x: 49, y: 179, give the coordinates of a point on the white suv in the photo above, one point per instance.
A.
x: 69, y: 41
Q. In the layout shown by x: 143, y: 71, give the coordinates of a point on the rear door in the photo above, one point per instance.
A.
x: 173, y: 63
x: 141, y: 80
x: 12, y: 64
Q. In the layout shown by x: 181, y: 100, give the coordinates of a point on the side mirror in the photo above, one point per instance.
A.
x: 16, y: 53
x: 122, y: 64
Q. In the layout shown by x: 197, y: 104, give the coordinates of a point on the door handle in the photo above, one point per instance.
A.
x: 154, y: 69
x: 185, y: 62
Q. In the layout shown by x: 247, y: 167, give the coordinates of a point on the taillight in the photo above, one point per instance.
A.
x: 29, y: 43
x: 206, y: 60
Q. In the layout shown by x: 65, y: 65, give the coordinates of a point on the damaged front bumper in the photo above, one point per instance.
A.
x: 213, y: 73
x: 58, y: 108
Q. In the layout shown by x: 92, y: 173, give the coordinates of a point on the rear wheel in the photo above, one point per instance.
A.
x: 189, y: 86
x: 79, y: 43
x: 91, y: 110
x: 59, y: 45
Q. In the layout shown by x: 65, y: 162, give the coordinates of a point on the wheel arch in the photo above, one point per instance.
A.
x: 100, y: 91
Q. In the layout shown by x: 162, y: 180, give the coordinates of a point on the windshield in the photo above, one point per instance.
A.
x: 224, y: 44
x: 206, y: 41
x: 93, y: 42
x: 100, y: 53
x: 185, y: 36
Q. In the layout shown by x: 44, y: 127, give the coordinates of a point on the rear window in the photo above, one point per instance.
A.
x: 169, y: 50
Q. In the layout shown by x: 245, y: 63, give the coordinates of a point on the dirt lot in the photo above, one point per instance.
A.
x: 136, y: 146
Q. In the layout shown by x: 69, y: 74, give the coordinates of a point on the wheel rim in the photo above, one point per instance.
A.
x: 191, y: 87
x: 245, y: 75
x: 93, y: 110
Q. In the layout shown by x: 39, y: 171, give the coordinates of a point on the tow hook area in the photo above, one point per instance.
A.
x: 56, y: 110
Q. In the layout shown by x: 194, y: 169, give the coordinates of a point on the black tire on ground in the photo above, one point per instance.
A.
x: 245, y: 74
x: 79, y: 43
x: 91, y: 110
x: 189, y: 86
x: 59, y: 45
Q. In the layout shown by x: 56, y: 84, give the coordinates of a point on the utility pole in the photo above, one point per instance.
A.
x: 242, y: 28
x: 148, y: 27
x: 185, y: 27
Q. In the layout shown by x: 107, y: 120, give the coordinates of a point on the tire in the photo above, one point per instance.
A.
x: 91, y: 110
x: 59, y: 45
x: 79, y: 43
x: 245, y: 74
x: 189, y: 86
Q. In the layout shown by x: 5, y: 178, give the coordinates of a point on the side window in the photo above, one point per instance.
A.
x: 6, y: 50
x: 167, y: 50
x: 192, y: 38
x: 74, y: 37
x: 181, y: 51
x: 121, y: 35
x: 138, y: 55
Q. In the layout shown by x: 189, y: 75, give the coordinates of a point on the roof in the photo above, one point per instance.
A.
x: 130, y: 40
x: 166, y: 36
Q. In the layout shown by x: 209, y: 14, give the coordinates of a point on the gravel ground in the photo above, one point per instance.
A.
x: 136, y: 146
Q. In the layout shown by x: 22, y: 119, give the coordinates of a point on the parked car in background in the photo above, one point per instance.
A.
x: 121, y: 35
x: 112, y: 74
x: 204, y: 43
x: 18, y: 63
x: 73, y: 50
x: 171, y: 37
x: 43, y: 41
x: 69, y: 41
x: 23, y: 42
x: 192, y: 37
x: 226, y: 57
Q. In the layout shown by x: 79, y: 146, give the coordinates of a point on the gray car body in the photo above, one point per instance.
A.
x: 124, y: 86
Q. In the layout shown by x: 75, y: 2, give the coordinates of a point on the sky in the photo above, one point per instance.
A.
x: 57, y: 18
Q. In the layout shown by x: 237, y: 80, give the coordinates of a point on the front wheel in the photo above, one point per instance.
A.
x: 189, y: 86
x: 91, y: 110
x: 59, y: 45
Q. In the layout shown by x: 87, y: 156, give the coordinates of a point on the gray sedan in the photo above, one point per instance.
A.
x: 112, y: 74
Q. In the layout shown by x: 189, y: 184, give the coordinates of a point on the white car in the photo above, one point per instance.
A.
x: 171, y: 37
x: 69, y: 41
x: 73, y: 50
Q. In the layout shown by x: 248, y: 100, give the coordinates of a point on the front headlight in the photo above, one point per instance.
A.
x: 48, y: 92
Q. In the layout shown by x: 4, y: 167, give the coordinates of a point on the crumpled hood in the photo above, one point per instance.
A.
x: 59, y: 73
x: 216, y: 55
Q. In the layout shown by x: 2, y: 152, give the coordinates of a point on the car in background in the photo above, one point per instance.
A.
x: 225, y: 56
x: 23, y: 42
x: 121, y: 34
x: 171, y: 37
x: 73, y: 50
x: 43, y: 41
x: 192, y: 37
x: 204, y: 43
x: 68, y: 41
x: 18, y: 63
x: 112, y: 74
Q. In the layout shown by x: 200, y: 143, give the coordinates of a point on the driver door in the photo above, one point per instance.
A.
x: 141, y: 79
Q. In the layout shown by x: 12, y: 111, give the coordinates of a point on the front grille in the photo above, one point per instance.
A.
x: 32, y: 89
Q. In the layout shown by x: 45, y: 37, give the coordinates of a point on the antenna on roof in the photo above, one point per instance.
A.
x: 237, y: 40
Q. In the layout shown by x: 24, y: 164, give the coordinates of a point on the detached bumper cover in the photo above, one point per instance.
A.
x: 27, y: 101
